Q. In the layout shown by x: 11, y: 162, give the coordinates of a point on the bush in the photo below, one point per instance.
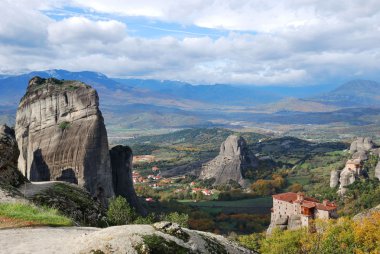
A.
x: 119, y: 212
x: 145, y: 220
x: 251, y: 241
x: 181, y: 219
x: 64, y: 125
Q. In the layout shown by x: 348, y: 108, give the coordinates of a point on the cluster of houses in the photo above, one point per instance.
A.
x: 204, y: 191
x: 138, y: 178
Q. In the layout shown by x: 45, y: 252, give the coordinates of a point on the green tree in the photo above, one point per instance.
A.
x: 119, y: 212
x: 180, y: 218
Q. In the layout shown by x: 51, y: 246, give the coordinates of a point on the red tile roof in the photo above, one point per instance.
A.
x: 288, y: 197
x: 308, y: 202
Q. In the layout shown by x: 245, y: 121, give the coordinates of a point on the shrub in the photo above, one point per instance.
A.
x: 181, y: 219
x: 119, y: 212
x: 64, y: 125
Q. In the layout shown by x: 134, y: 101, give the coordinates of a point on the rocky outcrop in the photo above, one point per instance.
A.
x: 334, y: 178
x: 367, y: 213
x: 377, y: 171
x: 61, y: 135
x: 360, y: 155
x: 360, y: 150
x: 231, y: 164
x: 292, y: 222
x: 362, y: 144
x: 9, y: 174
x: 121, y: 162
x: 131, y: 239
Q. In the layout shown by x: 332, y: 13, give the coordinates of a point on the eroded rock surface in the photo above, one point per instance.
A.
x: 231, y: 164
x: 334, y: 178
x: 377, y: 171
x: 9, y: 174
x: 121, y: 162
x: 122, y: 239
x: 362, y: 144
x: 62, y: 136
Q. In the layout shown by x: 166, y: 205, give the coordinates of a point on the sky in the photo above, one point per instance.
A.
x: 250, y: 42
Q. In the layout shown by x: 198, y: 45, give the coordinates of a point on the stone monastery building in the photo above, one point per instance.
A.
x: 294, y: 210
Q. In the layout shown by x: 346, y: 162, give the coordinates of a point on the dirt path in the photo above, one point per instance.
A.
x: 41, y: 240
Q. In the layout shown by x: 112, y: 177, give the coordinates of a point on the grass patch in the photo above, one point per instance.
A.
x: 72, y: 202
x: 37, y: 215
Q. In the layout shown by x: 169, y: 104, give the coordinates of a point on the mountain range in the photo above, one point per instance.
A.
x: 150, y: 104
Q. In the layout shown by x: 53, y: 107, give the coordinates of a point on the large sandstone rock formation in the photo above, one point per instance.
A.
x: 121, y: 162
x: 61, y: 135
x: 361, y: 144
x: 360, y: 150
x: 231, y: 164
x: 9, y: 174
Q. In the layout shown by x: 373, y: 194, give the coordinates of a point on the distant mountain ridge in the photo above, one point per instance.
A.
x: 152, y: 104
x: 362, y: 93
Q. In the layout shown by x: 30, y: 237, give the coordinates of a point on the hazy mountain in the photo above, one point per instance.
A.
x: 138, y: 103
x: 357, y: 93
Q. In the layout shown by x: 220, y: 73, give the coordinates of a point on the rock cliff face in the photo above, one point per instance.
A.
x: 334, y: 178
x: 121, y: 162
x: 361, y: 144
x: 231, y: 164
x: 377, y: 171
x: 61, y: 135
x: 360, y: 149
x: 9, y: 174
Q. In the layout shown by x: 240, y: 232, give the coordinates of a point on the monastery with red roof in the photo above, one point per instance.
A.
x: 295, y: 210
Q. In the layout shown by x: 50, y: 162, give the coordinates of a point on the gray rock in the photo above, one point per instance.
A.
x: 9, y: 174
x: 367, y: 213
x: 360, y: 155
x: 362, y: 144
x: 121, y: 163
x: 347, y: 177
x: 377, y: 171
x: 61, y: 135
x: 233, y: 160
x: 294, y: 222
x: 121, y: 239
x: 334, y: 178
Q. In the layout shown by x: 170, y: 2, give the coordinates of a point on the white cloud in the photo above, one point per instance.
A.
x: 269, y: 42
x: 80, y: 30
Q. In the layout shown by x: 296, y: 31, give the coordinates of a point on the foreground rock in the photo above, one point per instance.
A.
x: 122, y: 239
x: 121, y: 161
x: 9, y: 174
x: 62, y: 136
x: 231, y: 164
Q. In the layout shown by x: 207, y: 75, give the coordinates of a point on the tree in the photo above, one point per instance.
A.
x: 119, y: 212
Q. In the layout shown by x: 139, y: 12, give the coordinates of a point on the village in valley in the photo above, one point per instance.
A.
x: 181, y: 187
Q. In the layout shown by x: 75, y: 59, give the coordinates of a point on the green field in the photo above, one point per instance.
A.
x: 252, y: 206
